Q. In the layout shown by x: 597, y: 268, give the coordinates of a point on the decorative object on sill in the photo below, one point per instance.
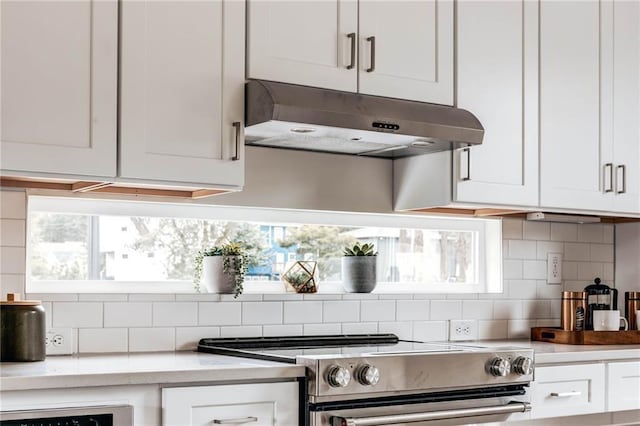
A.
x: 359, y: 268
x: 301, y: 277
x: 221, y: 269
x: 557, y: 335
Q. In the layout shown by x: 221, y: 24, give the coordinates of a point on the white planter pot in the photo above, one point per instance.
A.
x: 214, y: 279
x: 359, y: 273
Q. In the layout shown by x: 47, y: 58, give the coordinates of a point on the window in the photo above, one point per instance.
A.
x: 83, y: 245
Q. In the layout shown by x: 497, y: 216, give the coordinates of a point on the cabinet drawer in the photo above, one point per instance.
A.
x: 568, y: 390
x: 259, y: 404
x: 623, y: 384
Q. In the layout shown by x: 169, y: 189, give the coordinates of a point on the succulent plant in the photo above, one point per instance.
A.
x: 233, y: 262
x: 360, y: 250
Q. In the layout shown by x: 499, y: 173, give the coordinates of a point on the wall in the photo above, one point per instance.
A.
x: 627, y: 258
x: 144, y: 322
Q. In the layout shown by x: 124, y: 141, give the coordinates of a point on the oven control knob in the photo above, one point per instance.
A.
x: 367, y: 375
x: 499, y: 367
x: 522, y: 366
x: 338, y: 377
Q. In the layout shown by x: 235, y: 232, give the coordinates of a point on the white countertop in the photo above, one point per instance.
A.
x: 192, y: 367
x: 138, y: 368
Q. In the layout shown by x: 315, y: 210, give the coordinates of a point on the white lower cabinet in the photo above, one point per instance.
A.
x: 568, y: 390
x: 623, y: 384
x: 254, y: 404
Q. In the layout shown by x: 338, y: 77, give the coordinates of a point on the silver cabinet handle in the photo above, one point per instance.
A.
x: 238, y: 126
x: 468, y: 175
x: 513, y: 407
x: 238, y: 421
x: 608, y: 166
x: 565, y: 394
x: 622, y: 167
x: 372, y: 67
x: 352, y: 37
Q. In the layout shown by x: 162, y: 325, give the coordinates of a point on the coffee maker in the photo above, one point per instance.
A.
x: 600, y: 297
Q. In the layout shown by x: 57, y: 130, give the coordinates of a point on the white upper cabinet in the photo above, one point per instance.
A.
x: 59, y: 79
x: 182, y: 91
x: 589, y: 94
x: 498, y: 85
x: 406, y: 49
x: 403, y: 49
x: 312, y: 43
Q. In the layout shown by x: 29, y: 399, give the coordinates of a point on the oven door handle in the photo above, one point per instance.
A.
x: 512, y: 407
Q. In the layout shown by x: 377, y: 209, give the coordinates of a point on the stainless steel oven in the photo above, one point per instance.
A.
x: 360, y: 380
x: 105, y: 415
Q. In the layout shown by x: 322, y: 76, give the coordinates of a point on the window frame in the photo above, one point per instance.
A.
x: 489, y: 243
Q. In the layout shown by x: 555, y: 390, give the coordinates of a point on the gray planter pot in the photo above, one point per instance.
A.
x: 214, y: 279
x: 359, y: 273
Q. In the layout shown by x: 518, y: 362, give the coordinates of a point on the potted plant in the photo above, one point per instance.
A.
x: 221, y: 269
x: 359, y: 268
x: 301, y: 277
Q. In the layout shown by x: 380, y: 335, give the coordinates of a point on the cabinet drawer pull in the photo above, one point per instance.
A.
x: 623, y: 179
x: 238, y: 126
x: 352, y: 37
x: 565, y: 394
x: 238, y: 421
x: 372, y: 67
x: 468, y: 175
x: 608, y: 166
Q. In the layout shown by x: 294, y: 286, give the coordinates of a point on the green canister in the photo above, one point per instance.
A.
x: 22, y: 325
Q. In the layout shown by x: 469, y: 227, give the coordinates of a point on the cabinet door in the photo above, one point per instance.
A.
x: 406, y: 49
x: 182, y: 90
x: 499, y: 85
x: 59, y: 88
x: 626, y: 106
x: 575, y: 103
x: 567, y: 390
x: 312, y: 43
x: 623, y: 384
x: 256, y: 404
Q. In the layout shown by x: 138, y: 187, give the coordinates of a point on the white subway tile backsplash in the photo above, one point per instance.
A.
x: 47, y: 314
x: 219, y: 313
x: 574, y: 285
x: 534, y: 269
x: 127, y: 314
x: 577, y: 251
x: 187, y: 338
x: 302, y: 312
x: 282, y: 330
x: 588, y: 271
x: 477, y: 309
x: 13, y: 204
x: 536, y: 231
x: 322, y: 296
x: 492, y: 329
x: 241, y: 298
x: 241, y: 331
x: 359, y: 327
x: 12, y: 232
x: 607, y: 272
x: 261, y: 313
x: 608, y: 232
x: 53, y: 297
x: 536, y: 309
x: 512, y: 269
x: 11, y: 283
x: 569, y: 270
x: 97, y: 297
x: 399, y: 296
x: 198, y: 297
x: 94, y: 340
x: 402, y: 329
x: 512, y: 229
x: 378, y: 310
x: 592, y: 233
x: 12, y: 260
x: 341, y: 311
x: 430, y: 331
x: 520, y: 329
x: 548, y: 291
x: 602, y: 252
x: 77, y: 314
x: 359, y: 296
x: 543, y: 248
x: 522, y: 289
x: 552, y: 322
x: 522, y: 249
x: 318, y: 329
x: 446, y: 309
x: 281, y: 297
x: 150, y: 297
x: 507, y: 309
x: 152, y: 339
x: 412, y: 310
x: 555, y: 308
x: 175, y: 314
x: 564, y: 232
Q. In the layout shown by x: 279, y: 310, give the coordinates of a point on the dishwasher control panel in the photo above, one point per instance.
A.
x: 92, y: 420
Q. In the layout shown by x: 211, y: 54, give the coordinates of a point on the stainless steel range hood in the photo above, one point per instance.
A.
x: 288, y: 116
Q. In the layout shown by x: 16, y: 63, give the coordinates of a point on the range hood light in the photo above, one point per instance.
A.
x: 303, y: 130
x: 563, y: 218
x: 422, y: 143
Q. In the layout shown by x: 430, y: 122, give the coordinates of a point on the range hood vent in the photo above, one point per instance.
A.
x: 288, y: 116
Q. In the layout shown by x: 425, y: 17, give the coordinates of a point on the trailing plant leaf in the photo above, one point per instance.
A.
x: 233, y: 263
x: 365, y: 249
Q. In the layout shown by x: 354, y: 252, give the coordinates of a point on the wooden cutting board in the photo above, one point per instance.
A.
x: 557, y: 335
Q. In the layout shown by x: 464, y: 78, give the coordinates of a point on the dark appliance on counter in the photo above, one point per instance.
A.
x: 22, y: 330
x: 380, y: 379
x: 600, y: 297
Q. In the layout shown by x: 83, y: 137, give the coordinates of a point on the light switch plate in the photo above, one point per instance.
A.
x: 554, y: 268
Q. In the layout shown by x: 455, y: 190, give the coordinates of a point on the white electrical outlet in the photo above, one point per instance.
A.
x: 59, y: 341
x: 554, y: 268
x: 463, y: 330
